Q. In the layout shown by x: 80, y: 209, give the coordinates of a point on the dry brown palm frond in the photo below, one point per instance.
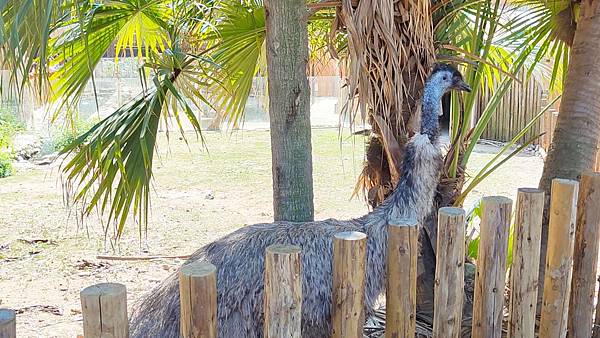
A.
x: 375, y: 326
x: 391, y: 147
x: 390, y: 50
x: 372, y: 180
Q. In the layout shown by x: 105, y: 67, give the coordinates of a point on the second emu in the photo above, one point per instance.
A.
x: 239, y: 256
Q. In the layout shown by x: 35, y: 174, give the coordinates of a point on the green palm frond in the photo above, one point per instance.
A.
x: 493, y: 164
x: 501, y: 40
x: 85, y: 38
x: 236, y: 45
x: 25, y: 30
x: 111, y: 165
x: 56, y: 44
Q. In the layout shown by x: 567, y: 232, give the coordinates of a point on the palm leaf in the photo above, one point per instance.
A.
x: 491, y: 165
x: 86, y: 38
x: 236, y: 44
x: 111, y: 165
x: 25, y: 30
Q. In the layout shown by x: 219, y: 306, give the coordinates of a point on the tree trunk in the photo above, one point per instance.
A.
x: 289, y: 110
x: 386, y: 75
x: 577, y: 132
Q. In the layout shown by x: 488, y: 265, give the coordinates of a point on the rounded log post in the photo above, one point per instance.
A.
x: 283, y: 292
x: 491, y: 267
x: 401, y: 295
x: 449, y: 273
x: 585, y: 257
x: 198, y: 300
x: 8, y: 323
x: 349, y: 264
x: 596, y: 330
x: 561, y: 237
x: 104, y: 310
x: 524, y: 281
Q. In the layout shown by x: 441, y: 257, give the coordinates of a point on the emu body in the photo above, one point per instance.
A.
x: 239, y: 256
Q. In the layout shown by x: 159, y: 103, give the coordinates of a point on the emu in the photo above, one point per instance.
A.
x: 239, y: 256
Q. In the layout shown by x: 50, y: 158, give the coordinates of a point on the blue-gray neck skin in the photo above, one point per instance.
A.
x: 431, y: 108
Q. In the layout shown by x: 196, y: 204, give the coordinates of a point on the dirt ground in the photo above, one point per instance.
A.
x: 47, y: 257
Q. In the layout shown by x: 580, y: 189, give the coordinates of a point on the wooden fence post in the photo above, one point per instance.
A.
x: 596, y: 329
x: 349, y: 263
x: 104, y: 310
x: 198, y: 300
x: 449, y: 273
x: 585, y: 257
x: 524, y: 281
x: 491, y: 267
x: 401, y: 295
x: 559, y: 258
x: 8, y: 323
x: 283, y: 292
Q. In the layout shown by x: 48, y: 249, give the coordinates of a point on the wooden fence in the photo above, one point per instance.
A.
x: 548, y: 126
x: 521, y: 103
x: 568, y: 287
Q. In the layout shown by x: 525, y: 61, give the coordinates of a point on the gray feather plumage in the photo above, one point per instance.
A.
x: 239, y: 256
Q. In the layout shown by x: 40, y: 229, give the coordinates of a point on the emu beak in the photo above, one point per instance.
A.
x: 462, y: 86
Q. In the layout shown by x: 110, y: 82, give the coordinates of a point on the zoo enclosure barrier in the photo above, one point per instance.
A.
x: 568, y: 288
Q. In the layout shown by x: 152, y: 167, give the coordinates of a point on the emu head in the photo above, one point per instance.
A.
x: 442, y: 79
x: 445, y: 77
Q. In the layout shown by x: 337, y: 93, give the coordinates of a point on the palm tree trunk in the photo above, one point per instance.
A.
x: 577, y: 132
x: 390, y: 49
x: 289, y: 110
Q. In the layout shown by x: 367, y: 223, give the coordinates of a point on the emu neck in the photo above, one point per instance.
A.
x: 413, y: 196
x: 431, y: 108
x: 412, y: 200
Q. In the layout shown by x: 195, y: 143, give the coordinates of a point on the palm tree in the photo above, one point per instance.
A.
x: 289, y: 110
x: 496, y: 49
x: 224, y: 50
x: 390, y: 51
x: 111, y: 166
x: 575, y: 144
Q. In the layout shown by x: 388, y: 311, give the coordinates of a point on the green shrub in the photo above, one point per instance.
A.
x: 62, y: 137
x: 10, y: 124
x: 6, y: 168
x: 474, y: 216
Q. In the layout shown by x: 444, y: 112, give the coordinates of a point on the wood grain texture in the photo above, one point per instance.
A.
x: 559, y: 259
x: 104, y: 310
x: 283, y: 292
x: 401, y: 292
x: 8, y: 323
x: 524, y: 281
x: 198, y: 300
x: 449, y: 273
x: 349, y: 259
x: 491, y: 267
x: 585, y: 257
